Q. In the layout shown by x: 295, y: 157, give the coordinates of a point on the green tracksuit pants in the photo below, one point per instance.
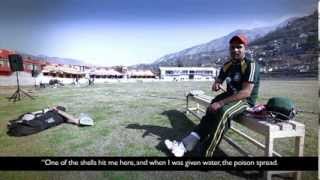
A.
x: 214, y: 124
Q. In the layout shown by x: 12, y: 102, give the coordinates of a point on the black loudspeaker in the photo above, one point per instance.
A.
x: 16, y: 62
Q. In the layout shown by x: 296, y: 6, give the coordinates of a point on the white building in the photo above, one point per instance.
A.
x: 188, y: 73
x: 140, y: 74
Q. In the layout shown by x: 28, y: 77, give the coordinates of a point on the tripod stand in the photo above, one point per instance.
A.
x: 16, y: 96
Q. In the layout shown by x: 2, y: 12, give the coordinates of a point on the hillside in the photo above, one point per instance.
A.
x: 54, y: 60
x: 205, y: 53
x: 293, y: 47
x: 289, y: 46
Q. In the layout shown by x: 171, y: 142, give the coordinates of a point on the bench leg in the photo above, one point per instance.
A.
x: 299, y: 145
x: 268, y: 152
x: 187, y: 105
x: 269, y: 146
x: 267, y: 175
x: 297, y: 175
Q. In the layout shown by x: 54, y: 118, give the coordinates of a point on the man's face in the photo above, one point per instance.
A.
x: 237, y: 51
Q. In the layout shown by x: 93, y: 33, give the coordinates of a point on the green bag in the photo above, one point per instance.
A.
x: 282, y: 107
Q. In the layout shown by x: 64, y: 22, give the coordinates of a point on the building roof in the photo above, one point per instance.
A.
x: 103, y: 72
x: 140, y: 73
x: 4, y: 53
x: 187, y: 68
x: 60, y: 69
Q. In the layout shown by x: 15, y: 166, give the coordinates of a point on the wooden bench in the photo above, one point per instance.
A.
x: 196, y: 104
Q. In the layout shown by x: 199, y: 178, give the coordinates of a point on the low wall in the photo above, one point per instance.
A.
x: 25, y: 79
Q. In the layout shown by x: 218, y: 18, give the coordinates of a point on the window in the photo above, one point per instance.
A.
x: 2, y: 63
x: 36, y: 67
x: 29, y: 66
x: 169, y: 72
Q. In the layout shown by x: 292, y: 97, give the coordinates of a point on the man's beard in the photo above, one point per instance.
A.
x: 237, y: 57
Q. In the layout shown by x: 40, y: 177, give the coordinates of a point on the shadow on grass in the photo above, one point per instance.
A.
x: 181, y: 125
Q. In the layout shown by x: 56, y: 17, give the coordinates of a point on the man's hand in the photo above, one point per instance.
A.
x: 216, y: 86
x: 216, y: 106
x: 241, y: 95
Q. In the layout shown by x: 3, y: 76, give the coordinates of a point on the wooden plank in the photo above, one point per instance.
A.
x: 205, y: 99
x: 290, y: 133
x: 192, y: 109
x: 296, y: 125
x: 284, y: 126
x: 256, y: 125
x: 203, y: 102
x: 199, y: 116
x: 237, y: 146
x: 253, y: 141
x: 296, y: 174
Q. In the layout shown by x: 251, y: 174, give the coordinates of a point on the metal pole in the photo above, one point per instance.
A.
x: 18, y: 80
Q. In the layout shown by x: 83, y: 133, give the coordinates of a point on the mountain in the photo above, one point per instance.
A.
x: 58, y: 60
x: 54, y: 60
x: 212, y: 49
x: 290, y: 46
x: 202, y: 54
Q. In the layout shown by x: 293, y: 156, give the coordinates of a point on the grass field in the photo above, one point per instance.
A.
x: 133, y: 119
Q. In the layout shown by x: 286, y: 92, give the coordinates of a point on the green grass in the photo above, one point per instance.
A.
x: 133, y: 119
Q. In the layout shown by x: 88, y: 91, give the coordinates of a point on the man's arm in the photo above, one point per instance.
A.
x: 244, y: 93
x: 216, y: 86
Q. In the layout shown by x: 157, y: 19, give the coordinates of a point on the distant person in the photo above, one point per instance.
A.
x: 76, y: 81
x: 91, y: 81
x: 242, y: 77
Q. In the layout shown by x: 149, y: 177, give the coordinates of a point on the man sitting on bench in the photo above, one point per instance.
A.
x: 242, y: 78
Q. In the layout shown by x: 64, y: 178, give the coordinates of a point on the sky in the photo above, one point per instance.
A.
x: 128, y: 32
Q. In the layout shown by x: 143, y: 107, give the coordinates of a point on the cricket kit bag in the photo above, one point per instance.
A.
x: 30, y: 123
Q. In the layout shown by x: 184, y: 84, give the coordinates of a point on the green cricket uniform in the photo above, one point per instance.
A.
x: 214, y: 124
x: 246, y: 71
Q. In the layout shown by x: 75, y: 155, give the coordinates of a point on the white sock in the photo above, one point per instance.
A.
x: 190, y: 141
x: 195, y: 135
